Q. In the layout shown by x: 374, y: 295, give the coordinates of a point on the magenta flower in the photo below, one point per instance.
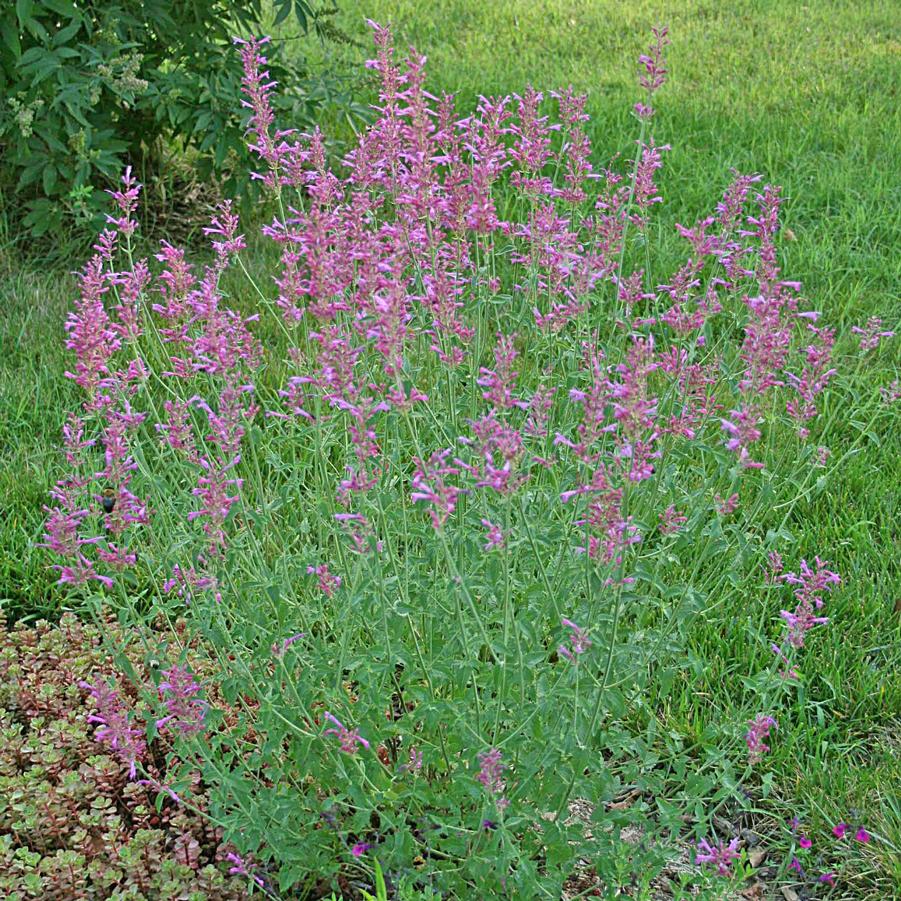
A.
x: 671, y: 520
x: 491, y: 775
x: 495, y: 537
x: 328, y: 582
x: 805, y: 842
x: 871, y: 333
x: 225, y: 226
x: 654, y: 76
x: 726, y: 506
x: 240, y: 867
x: 431, y: 487
x: 127, y: 201
x: 759, y: 729
x: 414, y: 762
x: 812, y: 584
x: 279, y: 648
x: 840, y: 829
x: 349, y: 739
x: 185, y: 712
x: 862, y: 836
x: 720, y: 856
x: 578, y: 639
x: 360, y: 848
x: 114, y: 728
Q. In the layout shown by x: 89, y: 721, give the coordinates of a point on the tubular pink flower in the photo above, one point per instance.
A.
x: 491, y: 775
x: 430, y: 486
x: 495, y: 537
x: 114, y: 728
x: 328, y: 583
x: 759, y: 729
x: 127, y: 201
x: 349, y: 739
x: 671, y: 520
x: 721, y: 856
x: 186, y: 713
x: 872, y: 334
x: 578, y: 640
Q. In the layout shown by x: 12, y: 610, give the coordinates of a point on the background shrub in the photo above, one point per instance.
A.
x: 91, y: 87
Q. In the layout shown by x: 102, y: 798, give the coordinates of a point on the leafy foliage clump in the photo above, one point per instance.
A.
x: 71, y: 823
x: 92, y: 86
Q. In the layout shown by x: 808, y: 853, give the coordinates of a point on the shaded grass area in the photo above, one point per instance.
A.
x: 806, y: 95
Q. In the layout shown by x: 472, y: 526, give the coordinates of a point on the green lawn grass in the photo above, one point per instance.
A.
x: 806, y: 95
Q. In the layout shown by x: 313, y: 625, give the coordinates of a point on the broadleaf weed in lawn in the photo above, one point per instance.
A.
x: 449, y: 493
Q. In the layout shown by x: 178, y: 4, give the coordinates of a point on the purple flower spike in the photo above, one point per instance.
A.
x: 115, y: 730
x: 579, y: 641
x: 349, y: 739
x: 186, y: 713
x: 491, y: 775
x: 720, y: 856
x: 759, y: 729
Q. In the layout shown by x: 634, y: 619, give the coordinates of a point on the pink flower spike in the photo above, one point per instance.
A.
x: 759, y: 729
x: 720, y: 856
x: 495, y: 537
x: 329, y: 583
x: 240, y: 867
x: 578, y: 639
x: 185, y: 712
x: 862, y: 836
x: 349, y: 739
x: 279, y: 649
x: 491, y: 775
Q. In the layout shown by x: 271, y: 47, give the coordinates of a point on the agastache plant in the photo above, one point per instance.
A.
x: 467, y: 409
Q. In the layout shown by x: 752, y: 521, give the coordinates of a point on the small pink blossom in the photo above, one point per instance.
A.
x: 578, y: 639
x: 871, y: 334
x: 721, y: 856
x: 759, y: 729
x: 671, y: 520
x: 495, y: 537
x: 279, y: 648
x: 114, y: 726
x: 185, y: 712
x: 726, y: 506
x: 240, y: 867
x: 349, y: 739
x: 328, y: 582
x: 491, y: 775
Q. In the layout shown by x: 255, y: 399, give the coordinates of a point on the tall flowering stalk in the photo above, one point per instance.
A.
x: 114, y: 725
